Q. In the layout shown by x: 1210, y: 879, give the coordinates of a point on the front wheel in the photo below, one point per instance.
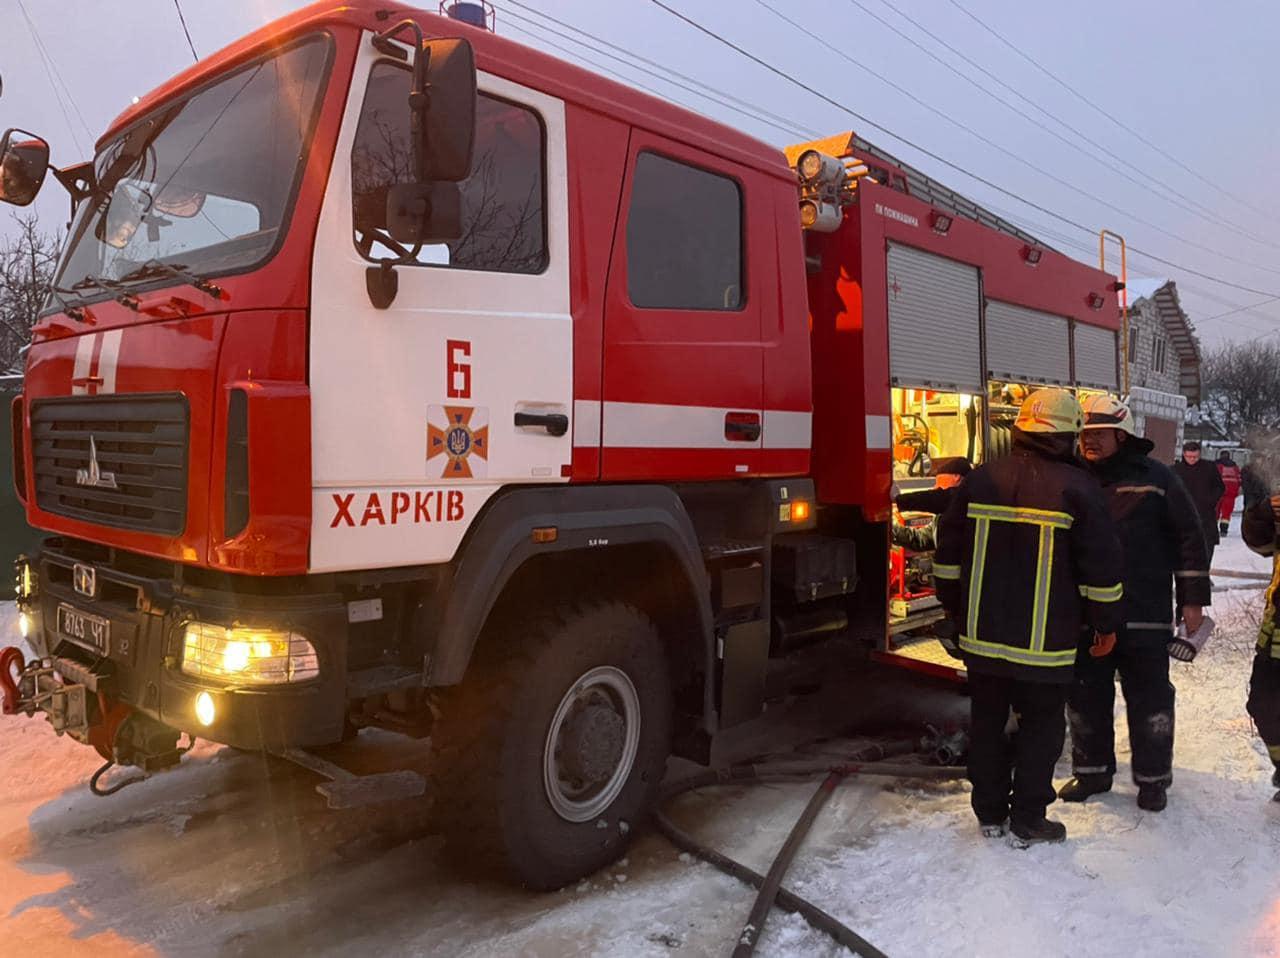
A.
x: 552, y: 749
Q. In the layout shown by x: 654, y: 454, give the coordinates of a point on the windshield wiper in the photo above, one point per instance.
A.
x: 109, y: 287
x: 154, y: 266
x: 77, y: 313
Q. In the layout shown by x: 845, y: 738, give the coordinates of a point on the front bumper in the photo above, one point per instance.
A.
x: 141, y: 664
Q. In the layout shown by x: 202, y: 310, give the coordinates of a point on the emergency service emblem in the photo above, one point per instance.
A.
x: 457, y: 442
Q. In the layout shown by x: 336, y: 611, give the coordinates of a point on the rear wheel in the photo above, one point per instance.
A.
x: 552, y: 749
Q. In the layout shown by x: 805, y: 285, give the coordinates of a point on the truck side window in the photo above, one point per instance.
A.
x: 503, y: 209
x: 684, y: 237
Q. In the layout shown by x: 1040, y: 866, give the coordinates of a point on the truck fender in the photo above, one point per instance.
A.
x: 592, y: 518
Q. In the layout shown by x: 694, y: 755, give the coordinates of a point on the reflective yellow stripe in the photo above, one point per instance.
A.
x: 980, y: 534
x: 1098, y: 593
x: 1008, y: 653
x: 1044, y: 574
x: 941, y: 571
x: 1035, y: 517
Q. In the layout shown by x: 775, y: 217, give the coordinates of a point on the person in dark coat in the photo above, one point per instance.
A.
x: 1261, y: 531
x: 1164, y: 552
x: 1027, y: 555
x: 1206, y: 487
x: 948, y: 473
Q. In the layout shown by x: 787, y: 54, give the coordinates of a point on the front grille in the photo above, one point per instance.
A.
x: 113, y: 460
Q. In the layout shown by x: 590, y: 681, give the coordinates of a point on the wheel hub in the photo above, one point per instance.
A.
x: 591, y: 744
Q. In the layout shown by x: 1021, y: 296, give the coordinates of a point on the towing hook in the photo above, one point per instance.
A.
x: 9, y: 658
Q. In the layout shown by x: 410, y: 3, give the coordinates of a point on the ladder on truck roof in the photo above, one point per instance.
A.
x: 926, y: 188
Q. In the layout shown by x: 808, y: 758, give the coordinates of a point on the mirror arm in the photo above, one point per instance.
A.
x: 419, y: 96
x: 77, y: 180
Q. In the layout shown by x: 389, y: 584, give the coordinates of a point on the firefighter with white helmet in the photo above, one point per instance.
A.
x: 1025, y: 537
x: 1164, y: 558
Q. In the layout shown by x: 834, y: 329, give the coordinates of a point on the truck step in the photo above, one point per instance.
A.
x: 731, y: 548
x: 381, y: 679
x: 344, y: 789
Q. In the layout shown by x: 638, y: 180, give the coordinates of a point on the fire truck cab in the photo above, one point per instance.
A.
x: 398, y: 375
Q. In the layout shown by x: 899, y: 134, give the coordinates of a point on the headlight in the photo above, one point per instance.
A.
x: 25, y: 584
x: 247, y: 656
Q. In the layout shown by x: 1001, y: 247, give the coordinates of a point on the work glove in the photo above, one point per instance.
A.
x: 948, y: 634
x: 1104, y: 643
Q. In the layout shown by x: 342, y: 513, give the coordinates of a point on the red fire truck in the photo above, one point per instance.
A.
x: 398, y: 375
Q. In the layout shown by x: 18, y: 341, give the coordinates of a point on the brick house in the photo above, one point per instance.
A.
x: 1164, y: 364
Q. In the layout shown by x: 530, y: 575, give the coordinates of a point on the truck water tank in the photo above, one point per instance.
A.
x: 472, y: 13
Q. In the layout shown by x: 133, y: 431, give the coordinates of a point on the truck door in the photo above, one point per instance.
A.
x: 682, y: 348
x: 421, y: 411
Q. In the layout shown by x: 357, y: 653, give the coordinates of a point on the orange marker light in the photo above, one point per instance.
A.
x: 799, y: 511
x: 546, y: 534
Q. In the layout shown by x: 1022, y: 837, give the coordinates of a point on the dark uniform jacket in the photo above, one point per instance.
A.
x: 1027, y: 555
x: 1260, y: 534
x: 1205, y: 484
x: 1160, y: 534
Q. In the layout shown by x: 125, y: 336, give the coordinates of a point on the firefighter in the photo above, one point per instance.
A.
x: 948, y: 473
x: 1027, y: 553
x: 1163, y: 546
x: 1260, y: 529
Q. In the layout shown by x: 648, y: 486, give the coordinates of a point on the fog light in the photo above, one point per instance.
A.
x: 244, y: 656
x: 204, y: 709
x: 24, y: 624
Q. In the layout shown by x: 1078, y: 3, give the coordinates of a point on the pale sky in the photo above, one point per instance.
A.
x: 1196, y: 79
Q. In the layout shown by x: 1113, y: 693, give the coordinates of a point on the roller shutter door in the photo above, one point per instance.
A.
x: 1026, y: 345
x: 1096, y: 357
x: 934, y: 316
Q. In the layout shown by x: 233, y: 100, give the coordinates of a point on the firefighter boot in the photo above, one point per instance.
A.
x: 1082, y: 786
x: 994, y: 829
x: 1224, y: 527
x: 1152, y: 796
x: 1026, y: 834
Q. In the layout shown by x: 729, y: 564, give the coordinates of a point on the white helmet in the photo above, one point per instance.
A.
x: 1107, y: 412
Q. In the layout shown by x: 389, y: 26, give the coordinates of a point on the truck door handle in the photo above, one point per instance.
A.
x: 555, y: 423
x: 742, y: 426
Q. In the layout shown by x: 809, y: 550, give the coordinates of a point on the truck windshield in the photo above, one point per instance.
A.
x: 204, y: 184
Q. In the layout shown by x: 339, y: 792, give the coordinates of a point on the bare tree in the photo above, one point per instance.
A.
x: 27, y: 261
x: 1242, y: 385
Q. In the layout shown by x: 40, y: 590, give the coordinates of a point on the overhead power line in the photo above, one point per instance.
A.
x: 1011, y: 154
x: 183, y: 20
x: 1249, y: 205
x: 50, y: 69
x: 721, y: 98
x: 744, y: 107
x: 938, y: 158
x: 1167, y: 192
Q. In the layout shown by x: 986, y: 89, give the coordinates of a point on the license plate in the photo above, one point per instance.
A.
x: 91, y: 631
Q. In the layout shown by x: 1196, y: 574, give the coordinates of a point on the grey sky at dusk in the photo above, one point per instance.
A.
x: 1196, y: 78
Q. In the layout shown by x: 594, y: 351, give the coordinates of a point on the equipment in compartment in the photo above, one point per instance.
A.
x: 928, y: 424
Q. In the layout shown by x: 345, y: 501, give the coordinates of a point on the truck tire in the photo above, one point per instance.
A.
x: 551, y: 750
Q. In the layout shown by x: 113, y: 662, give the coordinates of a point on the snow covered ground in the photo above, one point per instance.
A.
x: 233, y: 855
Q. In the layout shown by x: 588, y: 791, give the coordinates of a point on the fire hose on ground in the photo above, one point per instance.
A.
x: 866, y: 761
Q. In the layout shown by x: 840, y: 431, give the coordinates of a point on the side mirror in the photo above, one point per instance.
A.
x: 24, y: 161
x: 445, y: 94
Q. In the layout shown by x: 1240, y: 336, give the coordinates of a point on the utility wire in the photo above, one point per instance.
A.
x: 722, y: 99
x: 1118, y: 210
x: 1171, y: 194
x: 49, y: 72
x: 1249, y: 205
x: 993, y: 144
x: 753, y: 110
x: 183, y: 20
x: 936, y: 157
